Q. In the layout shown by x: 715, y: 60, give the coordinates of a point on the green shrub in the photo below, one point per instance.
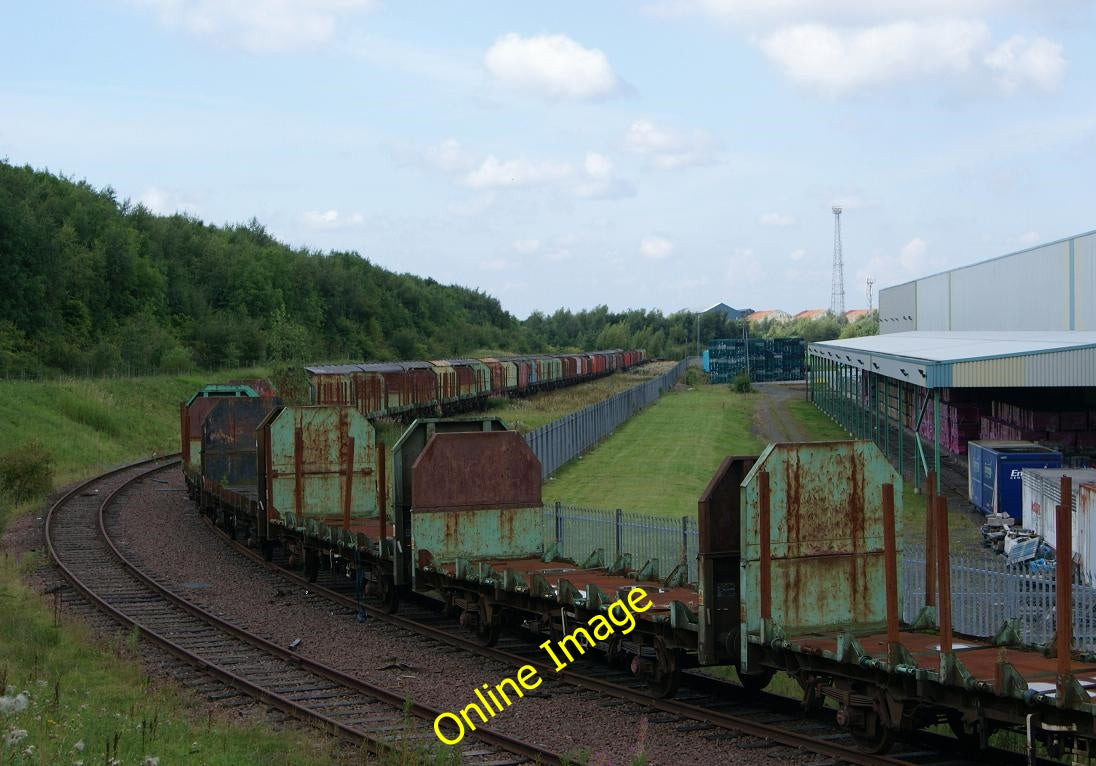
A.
x: 176, y: 360
x: 291, y: 382
x: 741, y: 383
x: 26, y: 472
x: 694, y: 376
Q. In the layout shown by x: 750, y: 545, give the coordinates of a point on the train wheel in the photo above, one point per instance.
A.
x: 667, y: 672
x: 489, y: 624
x: 386, y: 591
x: 311, y: 564
x: 870, y: 732
x: 968, y: 736
x: 755, y: 682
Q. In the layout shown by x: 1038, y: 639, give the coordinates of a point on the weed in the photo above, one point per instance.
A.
x: 741, y: 383
x: 26, y: 472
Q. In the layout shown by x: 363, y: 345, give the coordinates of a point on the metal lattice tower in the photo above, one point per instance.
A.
x: 837, y: 288
x: 871, y: 282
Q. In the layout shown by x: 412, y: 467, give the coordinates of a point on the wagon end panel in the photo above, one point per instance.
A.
x: 323, y: 465
x: 476, y: 496
x: 813, y: 540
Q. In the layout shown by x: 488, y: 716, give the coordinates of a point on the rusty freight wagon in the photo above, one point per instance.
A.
x: 193, y: 412
x: 799, y: 567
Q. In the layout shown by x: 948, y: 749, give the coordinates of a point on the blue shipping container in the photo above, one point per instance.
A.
x: 707, y: 361
x: 994, y: 471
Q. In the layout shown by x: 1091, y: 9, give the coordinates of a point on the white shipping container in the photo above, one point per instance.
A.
x: 1042, y: 493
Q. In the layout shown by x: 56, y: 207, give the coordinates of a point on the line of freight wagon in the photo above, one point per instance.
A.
x: 465, y: 527
x: 406, y: 390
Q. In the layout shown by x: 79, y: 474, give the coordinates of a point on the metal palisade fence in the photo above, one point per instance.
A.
x: 986, y: 593
x: 562, y: 440
x: 657, y: 544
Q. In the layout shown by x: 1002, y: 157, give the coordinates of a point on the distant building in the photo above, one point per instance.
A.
x: 729, y: 312
x: 853, y: 314
x: 768, y: 315
x: 811, y: 314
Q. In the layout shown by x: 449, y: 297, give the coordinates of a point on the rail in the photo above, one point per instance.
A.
x: 562, y: 440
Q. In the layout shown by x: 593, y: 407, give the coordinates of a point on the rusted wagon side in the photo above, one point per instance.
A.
x: 332, y: 383
x: 193, y: 412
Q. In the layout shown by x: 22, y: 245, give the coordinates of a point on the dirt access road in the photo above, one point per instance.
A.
x: 771, y: 421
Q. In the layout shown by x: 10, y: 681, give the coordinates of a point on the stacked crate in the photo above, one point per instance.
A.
x: 770, y: 359
x: 1072, y: 430
x: 960, y: 422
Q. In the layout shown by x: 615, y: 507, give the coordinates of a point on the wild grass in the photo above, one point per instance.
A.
x: 86, y: 425
x: 528, y: 413
x: 660, y: 461
x: 82, y: 702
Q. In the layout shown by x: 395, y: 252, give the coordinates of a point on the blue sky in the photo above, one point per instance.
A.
x: 665, y: 154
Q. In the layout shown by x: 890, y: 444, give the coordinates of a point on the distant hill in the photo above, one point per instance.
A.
x: 95, y: 285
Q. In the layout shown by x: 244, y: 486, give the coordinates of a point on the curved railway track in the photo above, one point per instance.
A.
x: 708, y: 703
x: 78, y: 540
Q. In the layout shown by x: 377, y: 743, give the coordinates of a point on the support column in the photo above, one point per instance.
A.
x: 1063, y: 591
x: 936, y: 431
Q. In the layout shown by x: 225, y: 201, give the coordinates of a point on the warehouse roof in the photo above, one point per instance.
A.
x: 973, y: 359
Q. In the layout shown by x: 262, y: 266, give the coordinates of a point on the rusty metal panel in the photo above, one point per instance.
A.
x: 719, y: 522
x: 501, y: 533
x: 228, y: 438
x: 322, y: 463
x: 404, y: 453
x: 825, y: 544
x: 485, y: 469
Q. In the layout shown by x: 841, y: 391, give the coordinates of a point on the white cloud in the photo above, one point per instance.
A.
x: 257, y: 25
x: 776, y: 219
x: 493, y: 264
x: 655, y: 248
x: 1017, y: 62
x: 449, y: 156
x: 666, y: 149
x: 798, y: 254
x: 912, y: 255
x: 744, y: 268
x: 838, y: 60
x: 775, y: 11
x: 527, y: 246
x: 553, y: 66
x: 329, y: 219
x: 600, y: 181
x: 1029, y: 238
x: 494, y: 173
x: 162, y: 202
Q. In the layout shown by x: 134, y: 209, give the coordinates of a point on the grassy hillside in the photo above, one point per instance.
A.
x: 94, y: 423
x: 660, y: 460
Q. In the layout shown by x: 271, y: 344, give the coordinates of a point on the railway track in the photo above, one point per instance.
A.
x: 78, y: 540
x: 707, y: 703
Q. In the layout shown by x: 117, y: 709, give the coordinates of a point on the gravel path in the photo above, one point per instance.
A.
x: 160, y: 528
x: 771, y: 421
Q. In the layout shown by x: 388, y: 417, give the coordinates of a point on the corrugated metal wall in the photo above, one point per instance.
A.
x: 1050, y: 287
x: 1084, y: 282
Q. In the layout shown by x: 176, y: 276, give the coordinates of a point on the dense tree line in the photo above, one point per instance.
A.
x: 94, y: 284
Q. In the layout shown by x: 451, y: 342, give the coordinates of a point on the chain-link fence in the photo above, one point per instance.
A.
x: 562, y: 440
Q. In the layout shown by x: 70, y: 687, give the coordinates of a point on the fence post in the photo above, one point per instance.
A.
x: 685, y: 541
x: 618, y: 534
x: 559, y: 526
